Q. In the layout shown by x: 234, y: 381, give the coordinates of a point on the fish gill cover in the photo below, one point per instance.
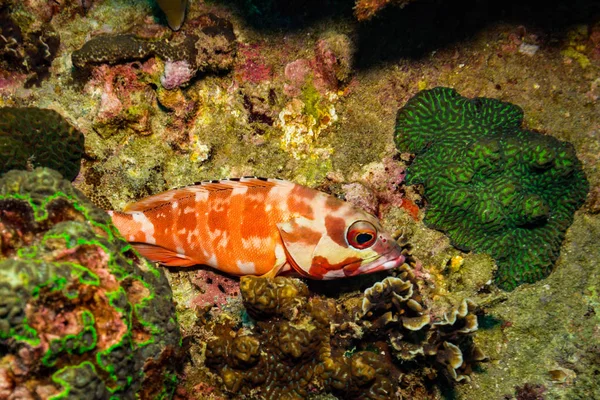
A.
x: 82, y: 316
x: 492, y: 187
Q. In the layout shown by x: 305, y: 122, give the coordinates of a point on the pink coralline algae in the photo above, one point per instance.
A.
x: 252, y: 66
x: 329, y: 70
x: 125, y: 99
x: 176, y: 74
x: 216, y: 289
x: 380, y: 189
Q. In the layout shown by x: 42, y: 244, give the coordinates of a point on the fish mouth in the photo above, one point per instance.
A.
x: 389, y: 260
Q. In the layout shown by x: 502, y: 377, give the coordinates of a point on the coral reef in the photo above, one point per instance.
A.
x: 367, y: 9
x: 490, y: 184
x: 32, y: 137
x: 81, y: 314
x: 127, y: 103
x: 211, y: 47
x: 26, y: 49
x: 528, y: 391
x: 301, y: 344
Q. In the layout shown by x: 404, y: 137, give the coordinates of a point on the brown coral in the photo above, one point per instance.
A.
x: 301, y: 345
x: 264, y: 298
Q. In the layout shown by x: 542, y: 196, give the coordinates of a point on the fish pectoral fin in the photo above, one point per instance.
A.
x: 273, y: 272
x: 164, y: 256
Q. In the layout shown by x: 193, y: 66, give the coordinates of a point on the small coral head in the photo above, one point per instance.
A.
x: 345, y: 242
x: 174, y: 11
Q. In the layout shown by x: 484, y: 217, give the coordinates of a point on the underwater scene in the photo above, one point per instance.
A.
x: 279, y: 199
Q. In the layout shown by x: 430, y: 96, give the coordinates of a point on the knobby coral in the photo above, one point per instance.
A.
x: 31, y: 137
x: 492, y: 187
x: 301, y: 344
x: 82, y: 316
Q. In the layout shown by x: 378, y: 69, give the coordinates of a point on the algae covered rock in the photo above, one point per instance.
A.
x: 492, y: 187
x: 26, y: 48
x: 33, y: 137
x: 82, y: 316
x: 211, y: 46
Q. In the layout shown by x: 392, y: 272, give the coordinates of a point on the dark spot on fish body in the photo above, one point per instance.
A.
x: 333, y: 203
x: 336, y: 229
x: 299, y: 199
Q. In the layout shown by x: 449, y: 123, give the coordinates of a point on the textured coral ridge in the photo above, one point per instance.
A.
x: 32, y: 137
x: 492, y: 187
x: 303, y: 345
x: 81, y: 315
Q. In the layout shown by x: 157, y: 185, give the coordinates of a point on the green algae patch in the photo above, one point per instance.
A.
x: 492, y: 187
x: 82, y: 316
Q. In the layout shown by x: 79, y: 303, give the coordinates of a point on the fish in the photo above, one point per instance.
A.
x: 258, y: 226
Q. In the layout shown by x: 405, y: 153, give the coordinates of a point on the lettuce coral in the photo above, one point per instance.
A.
x: 82, y: 316
x: 492, y: 187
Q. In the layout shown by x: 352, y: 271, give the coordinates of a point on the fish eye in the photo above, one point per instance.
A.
x: 361, y: 235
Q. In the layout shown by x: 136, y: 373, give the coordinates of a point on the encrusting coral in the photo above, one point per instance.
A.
x: 82, y: 316
x: 211, y: 47
x: 302, y: 344
x: 492, y: 187
x: 31, y: 137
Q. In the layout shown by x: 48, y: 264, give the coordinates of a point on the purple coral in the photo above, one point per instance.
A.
x: 176, y: 74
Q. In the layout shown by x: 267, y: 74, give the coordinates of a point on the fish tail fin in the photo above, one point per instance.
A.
x: 138, y: 230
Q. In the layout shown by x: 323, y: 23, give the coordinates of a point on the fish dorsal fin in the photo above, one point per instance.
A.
x: 172, y: 195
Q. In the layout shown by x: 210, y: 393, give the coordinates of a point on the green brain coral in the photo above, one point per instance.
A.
x: 492, y: 187
x: 32, y: 136
x: 82, y: 316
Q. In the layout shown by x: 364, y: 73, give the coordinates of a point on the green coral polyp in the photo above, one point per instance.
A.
x: 492, y: 187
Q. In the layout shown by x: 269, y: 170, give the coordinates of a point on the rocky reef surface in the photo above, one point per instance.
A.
x: 307, y: 91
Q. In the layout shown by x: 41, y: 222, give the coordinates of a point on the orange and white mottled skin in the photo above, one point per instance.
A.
x: 256, y: 226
